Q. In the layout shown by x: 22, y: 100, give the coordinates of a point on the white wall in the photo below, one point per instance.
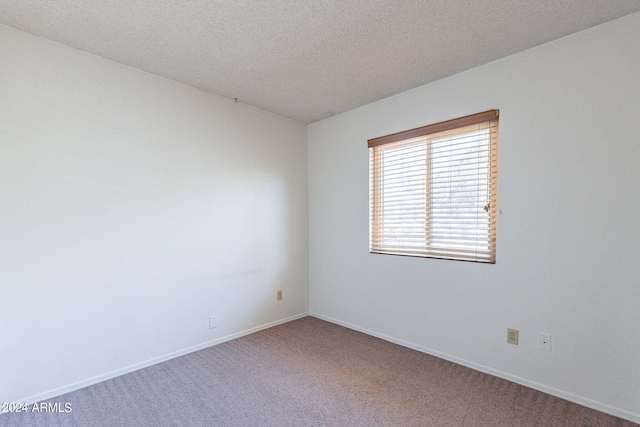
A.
x: 568, y: 235
x: 131, y: 209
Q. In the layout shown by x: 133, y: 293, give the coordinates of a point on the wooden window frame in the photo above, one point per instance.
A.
x: 485, y: 245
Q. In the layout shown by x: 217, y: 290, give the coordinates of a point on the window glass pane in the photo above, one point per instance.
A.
x: 403, y: 193
x: 459, y: 189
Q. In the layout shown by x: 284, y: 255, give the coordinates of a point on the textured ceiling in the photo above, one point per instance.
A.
x: 307, y: 60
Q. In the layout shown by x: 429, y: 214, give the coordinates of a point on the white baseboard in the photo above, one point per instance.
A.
x: 118, y: 372
x: 580, y: 400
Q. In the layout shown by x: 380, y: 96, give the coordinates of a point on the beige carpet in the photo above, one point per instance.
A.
x: 311, y: 373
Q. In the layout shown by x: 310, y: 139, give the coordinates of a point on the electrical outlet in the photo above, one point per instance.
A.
x: 279, y: 296
x: 544, y: 342
x: 512, y: 336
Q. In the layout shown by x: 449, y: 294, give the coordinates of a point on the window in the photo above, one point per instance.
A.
x: 433, y: 190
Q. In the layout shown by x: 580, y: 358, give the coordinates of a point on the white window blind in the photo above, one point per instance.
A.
x: 433, y: 190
